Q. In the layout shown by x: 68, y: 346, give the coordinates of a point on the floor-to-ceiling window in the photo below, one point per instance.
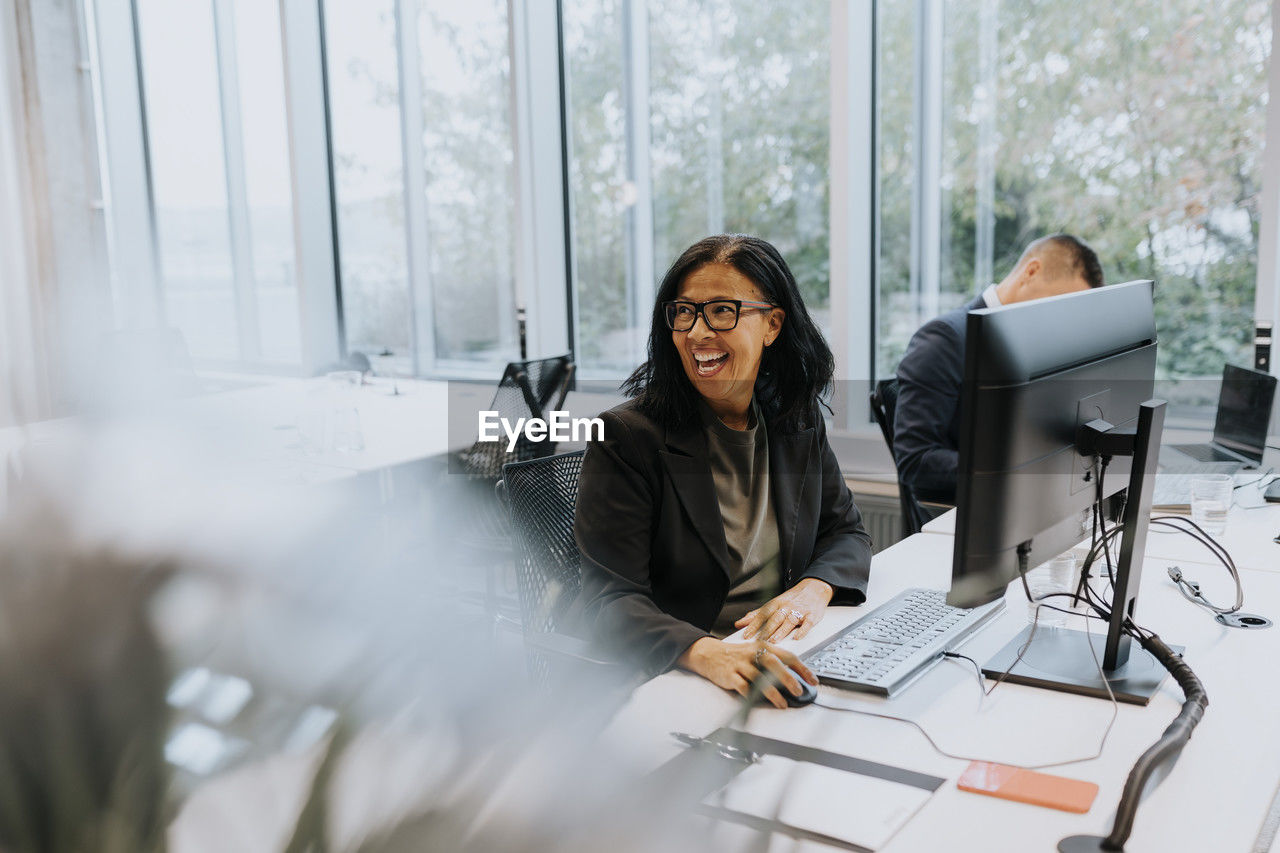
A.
x: 1138, y: 127
x: 688, y: 119
x: 217, y: 143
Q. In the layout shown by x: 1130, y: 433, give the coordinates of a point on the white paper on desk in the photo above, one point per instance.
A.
x: 854, y: 808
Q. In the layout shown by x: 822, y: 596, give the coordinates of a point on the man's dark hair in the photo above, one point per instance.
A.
x: 1082, y: 259
x: 795, y: 371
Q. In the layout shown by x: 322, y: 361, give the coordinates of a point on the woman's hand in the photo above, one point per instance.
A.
x: 734, y: 666
x: 794, y: 612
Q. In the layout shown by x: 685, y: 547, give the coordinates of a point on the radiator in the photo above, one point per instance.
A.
x: 882, y: 516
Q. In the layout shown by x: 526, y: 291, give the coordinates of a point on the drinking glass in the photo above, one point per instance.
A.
x: 1211, y: 501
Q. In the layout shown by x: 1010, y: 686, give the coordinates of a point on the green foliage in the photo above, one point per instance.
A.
x: 738, y: 123
x: 1138, y: 127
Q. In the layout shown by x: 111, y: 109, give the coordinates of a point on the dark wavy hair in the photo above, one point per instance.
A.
x: 795, y: 371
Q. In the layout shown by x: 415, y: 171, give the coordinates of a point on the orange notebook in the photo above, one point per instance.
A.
x: 1028, y: 786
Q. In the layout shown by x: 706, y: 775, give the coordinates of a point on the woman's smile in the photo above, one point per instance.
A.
x: 710, y: 361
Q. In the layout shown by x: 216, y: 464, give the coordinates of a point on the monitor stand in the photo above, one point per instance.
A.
x: 1059, y: 658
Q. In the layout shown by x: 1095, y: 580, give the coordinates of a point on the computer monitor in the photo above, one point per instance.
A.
x: 1041, y: 378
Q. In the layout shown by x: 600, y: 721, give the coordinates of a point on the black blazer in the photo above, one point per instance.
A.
x: 926, y: 422
x: 655, y: 566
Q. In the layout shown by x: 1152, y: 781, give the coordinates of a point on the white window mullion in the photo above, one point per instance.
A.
x: 640, y: 267
x: 541, y: 262
x: 135, y: 258
x: 926, y: 202
x: 853, y: 246
x: 715, y: 124
x: 248, y: 335
x: 985, y: 230
x: 422, y: 328
x: 1267, y: 295
x: 309, y: 157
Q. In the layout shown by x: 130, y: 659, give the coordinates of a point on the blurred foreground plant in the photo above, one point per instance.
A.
x: 83, y: 718
x: 84, y: 722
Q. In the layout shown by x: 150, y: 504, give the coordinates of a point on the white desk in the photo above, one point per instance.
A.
x: 397, y: 428
x: 1252, y: 528
x: 259, y: 426
x: 1215, y: 798
x: 944, y: 524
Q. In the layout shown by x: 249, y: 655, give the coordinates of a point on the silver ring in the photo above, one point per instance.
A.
x: 799, y: 617
x: 760, y: 653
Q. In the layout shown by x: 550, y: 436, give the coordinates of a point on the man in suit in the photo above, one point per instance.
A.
x: 926, y: 424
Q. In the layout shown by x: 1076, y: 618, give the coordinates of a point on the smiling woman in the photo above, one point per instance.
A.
x: 714, y: 501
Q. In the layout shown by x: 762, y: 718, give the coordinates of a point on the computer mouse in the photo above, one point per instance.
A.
x: 808, y: 692
x: 1272, y: 494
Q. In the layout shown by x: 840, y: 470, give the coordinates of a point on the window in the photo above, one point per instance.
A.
x: 687, y: 119
x: 213, y: 87
x: 368, y: 178
x: 420, y: 103
x: 264, y: 134
x: 898, y: 295
x: 1138, y: 128
x: 469, y: 179
x: 603, y: 196
x: 188, y: 174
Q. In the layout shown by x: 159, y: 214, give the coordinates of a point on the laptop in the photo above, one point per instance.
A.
x: 1239, y: 438
x: 1244, y: 413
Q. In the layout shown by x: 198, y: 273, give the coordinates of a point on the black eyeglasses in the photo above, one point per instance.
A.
x: 720, y: 315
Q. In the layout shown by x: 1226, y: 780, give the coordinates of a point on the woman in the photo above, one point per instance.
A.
x: 715, y: 488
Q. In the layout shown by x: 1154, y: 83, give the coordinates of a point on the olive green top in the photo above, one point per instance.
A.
x: 740, y: 467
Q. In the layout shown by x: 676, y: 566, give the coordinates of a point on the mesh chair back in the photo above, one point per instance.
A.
x: 884, y: 402
x: 540, y: 495
x: 528, y: 389
x: 548, y: 379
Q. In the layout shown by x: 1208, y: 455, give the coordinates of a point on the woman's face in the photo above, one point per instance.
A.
x: 723, y: 365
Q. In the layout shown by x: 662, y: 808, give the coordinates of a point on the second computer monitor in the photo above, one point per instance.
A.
x: 1034, y: 373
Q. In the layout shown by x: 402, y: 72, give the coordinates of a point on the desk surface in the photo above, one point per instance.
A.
x: 262, y: 422
x: 1252, y: 527
x: 1215, y: 798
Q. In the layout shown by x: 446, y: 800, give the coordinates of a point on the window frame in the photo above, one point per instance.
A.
x: 544, y: 286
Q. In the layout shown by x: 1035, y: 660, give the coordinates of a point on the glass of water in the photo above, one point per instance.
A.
x: 1058, y: 575
x: 1211, y: 501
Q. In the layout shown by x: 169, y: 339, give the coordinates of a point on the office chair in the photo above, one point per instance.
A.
x: 540, y: 495
x: 915, y: 514
x: 527, y: 389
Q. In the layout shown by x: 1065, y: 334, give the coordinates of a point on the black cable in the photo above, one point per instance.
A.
x: 976, y: 667
x: 1169, y: 744
x: 1190, y: 589
x: 1259, y: 479
x: 1173, y: 522
x: 1111, y: 582
x: 1196, y: 700
x: 1091, y: 597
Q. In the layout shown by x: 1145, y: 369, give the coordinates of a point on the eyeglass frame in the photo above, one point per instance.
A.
x: 698, y: 311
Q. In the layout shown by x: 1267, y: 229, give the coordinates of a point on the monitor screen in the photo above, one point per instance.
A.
x: 1244, y: 411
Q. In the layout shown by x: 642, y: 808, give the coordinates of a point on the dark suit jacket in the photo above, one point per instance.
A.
x: 926, y: 422
x: 655, y: 566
